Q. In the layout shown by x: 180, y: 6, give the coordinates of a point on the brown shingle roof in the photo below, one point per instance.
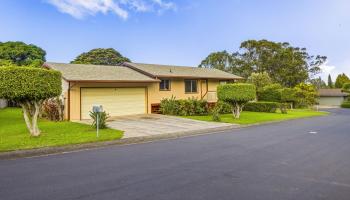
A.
x: 96, y: 73
x: 156, y: 70
x: 332, y: 93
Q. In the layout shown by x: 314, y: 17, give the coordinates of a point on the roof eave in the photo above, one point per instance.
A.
x: 114, y: 81
x: 199, y: 77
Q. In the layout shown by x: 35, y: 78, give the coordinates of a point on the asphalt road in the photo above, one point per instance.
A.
x: 302, y: 159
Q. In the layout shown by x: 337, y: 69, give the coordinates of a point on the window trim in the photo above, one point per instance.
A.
x: 191, y: 86
x: 160, y: 89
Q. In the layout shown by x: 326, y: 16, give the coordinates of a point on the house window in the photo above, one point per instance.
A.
x: 190, y: 86
x: 164, y: 85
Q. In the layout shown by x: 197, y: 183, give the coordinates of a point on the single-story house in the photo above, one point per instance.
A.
x: 331, y: 97
x: 133, y: 88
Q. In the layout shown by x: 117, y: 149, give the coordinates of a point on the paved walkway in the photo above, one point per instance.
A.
x: 151, y: 124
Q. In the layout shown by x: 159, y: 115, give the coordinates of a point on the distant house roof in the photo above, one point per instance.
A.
x: 159, y: 71
x: 332, y: 93
x: 98, y: 73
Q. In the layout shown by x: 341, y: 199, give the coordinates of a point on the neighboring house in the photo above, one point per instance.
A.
x: 331, y: 97
x: 133, y: 88
x: 3, y: 103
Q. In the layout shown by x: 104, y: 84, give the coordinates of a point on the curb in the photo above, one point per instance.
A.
x: 134, y: 140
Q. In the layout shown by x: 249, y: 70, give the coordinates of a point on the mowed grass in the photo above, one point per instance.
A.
x: 14, y: 134
x: 260, y: 117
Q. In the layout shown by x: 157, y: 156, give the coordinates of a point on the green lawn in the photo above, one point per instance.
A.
x: 14, y: 135
x: 259, y: 117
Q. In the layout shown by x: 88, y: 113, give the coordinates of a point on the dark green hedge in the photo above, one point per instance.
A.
x: 345, y: 104
x: 27, y: 83
x: 270, y: 107
x: 238, y: 92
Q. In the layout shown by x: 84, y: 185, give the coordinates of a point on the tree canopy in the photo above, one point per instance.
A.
x: 221, y: 60
x: 341, y: 79
x: 21, y: 54
x: 260, y: 80
x: 237, y: 95
x: 289, y: 65
x: 330, y: 82
x: 100, y: 56
x: 29, y: 87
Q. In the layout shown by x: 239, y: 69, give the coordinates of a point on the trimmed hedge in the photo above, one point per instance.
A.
x: 345, y: 104
x: 269, y: 107
x: 238, y: 92
x: 29, y: 84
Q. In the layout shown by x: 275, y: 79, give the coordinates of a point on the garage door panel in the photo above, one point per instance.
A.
x: 115, y: 101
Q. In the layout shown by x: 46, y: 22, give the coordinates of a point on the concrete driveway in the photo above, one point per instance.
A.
x: 152, y: 124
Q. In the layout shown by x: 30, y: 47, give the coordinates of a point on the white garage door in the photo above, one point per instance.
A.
x: 115, y: 101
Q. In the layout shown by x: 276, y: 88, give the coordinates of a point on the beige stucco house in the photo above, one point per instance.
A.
x: 133, y: 88
x: 331, y: 97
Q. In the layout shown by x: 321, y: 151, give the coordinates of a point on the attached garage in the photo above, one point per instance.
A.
x: 115, y: 101
x: 331, y: 97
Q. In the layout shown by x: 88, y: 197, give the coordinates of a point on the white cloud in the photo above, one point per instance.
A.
x: 326, y: 68
x: 83, y: 8
x: 334, y: 70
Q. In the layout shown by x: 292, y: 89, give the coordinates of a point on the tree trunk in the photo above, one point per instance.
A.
x: 31, y: 111
x: 27, y: 118
x: 36, y: 131
x: 238, y: 111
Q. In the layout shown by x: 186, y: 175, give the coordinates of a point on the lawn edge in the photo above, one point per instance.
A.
x: 94, y: 145
x: 46, y: 151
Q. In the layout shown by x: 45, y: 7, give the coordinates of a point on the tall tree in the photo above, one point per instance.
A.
x: 21, y: 54
x: 318, y: 83
x: 341, y: 79
x: 221, y: 60
x: 330, y: 82
x: 289, y: 65
x: 260, y: 80
x: 285, y: 64
x: 101, y: 56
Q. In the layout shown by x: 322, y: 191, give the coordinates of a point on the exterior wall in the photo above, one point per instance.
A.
x: 177, y: 89
x: 3, y: 103
x: 153, y: 94
x: 75, y: 101
x: 331, y: 101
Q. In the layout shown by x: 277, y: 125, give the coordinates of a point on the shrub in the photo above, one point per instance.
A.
x: 53, y: 109
x: 260, y: 80
x: 305, y: 95
x: 169, y: 106
x: 102, y: 119
x: 216, y: 113
x: 284, y: 107
x: 237, y: 95
x: 345, y: 104
x: 188, y: 107
x: 261, y: 106
x: 270, y: 93
x: 29, y: 87
x: 346, y: 87
x: 225, y: 108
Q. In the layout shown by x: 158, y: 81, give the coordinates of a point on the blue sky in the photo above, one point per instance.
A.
x: 179, y: 32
